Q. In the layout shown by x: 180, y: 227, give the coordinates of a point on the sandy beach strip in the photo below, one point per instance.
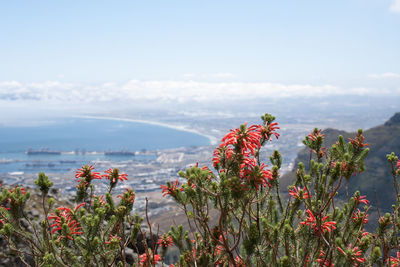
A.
x: 213, y: 140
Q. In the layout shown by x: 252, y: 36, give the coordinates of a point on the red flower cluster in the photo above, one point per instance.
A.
x: 22, y: 189
x: 221, y: 154
x: 361, y: 199
x: 325, y: 226
x: 246, y: 138
x: 144, y: 261
x: 345, y: 167
x: 323, y: 261
x: 170, y: 189
x: 242, y: 144
x: 85, y: 176
x: 360, y: 217
x: 66, y: 216
x: 398, y: 166
x: 395, y: 262
x: 353, y: 255
x: 128, y: 196
x: 86, y: 173
x: 100, y: 199
x: 268, y: 130
x: 219, y: 249
x: 165, y: 241
x: 315, y: 135
x: 8, y: 201
x: 358, y: 141
x: 314, y: 141
x: 298, y: 193
x: 4, y: 205
x: 255, y: 174
x: 113, y: 175
x: 82, y: 185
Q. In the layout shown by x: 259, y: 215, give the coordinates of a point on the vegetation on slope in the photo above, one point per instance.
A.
x: 376, y: 181
x: 254, y: 226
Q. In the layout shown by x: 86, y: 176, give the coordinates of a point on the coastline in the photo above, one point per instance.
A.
x: 212, y: 139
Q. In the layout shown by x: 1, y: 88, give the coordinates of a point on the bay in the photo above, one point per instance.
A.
x: 78, y: 137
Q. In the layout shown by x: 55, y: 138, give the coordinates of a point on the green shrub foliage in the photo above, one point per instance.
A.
x: 252, y: 223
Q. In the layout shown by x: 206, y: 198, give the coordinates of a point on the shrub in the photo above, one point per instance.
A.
x: 255, y: 225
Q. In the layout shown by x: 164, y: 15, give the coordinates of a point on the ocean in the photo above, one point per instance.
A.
x: 78, y: 141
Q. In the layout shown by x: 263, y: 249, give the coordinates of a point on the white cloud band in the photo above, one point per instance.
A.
x: 171, y: 91
x: 386, y: 75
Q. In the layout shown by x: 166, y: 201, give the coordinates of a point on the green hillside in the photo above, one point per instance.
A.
x: 382, y: 140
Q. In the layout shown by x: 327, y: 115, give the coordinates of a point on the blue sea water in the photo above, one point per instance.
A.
x: 84, y: 135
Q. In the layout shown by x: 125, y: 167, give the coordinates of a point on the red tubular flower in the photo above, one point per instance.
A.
x: 395, y: 262
x: 165, y: 241
x: 315, y: 135
x: 128, y: 196
x: 268, y: 130
x: 398, y: 166
x: 65, y: 217
x: 247, y: 138
x: 156, y: 258
x: 325, y: 225
x: 353, y: 254
x: 255, y: 174
x: 218, y: 250
x: 83, y: 185
x: 100, y: 199
x: 144, y: 261
x: 323, y: 261
x: 365, y: 234
x: 346, y: 167
x: 360, y: 217
x: 111, y: 238
x: 358, y: 141
x: 298, y: 193
x: 321, y: 153
x: 8, y: 201
x: 22, y: 189
x: 170, y: 189
x: 361, y: 199
x: 363, y: 240
x: 113, y: 175
x: 221, y: 154
x: 86, y: 173
x: 77, y: 207
x: 314, y: 141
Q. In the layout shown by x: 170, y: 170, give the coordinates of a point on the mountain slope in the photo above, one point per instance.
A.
x: 383, y: 140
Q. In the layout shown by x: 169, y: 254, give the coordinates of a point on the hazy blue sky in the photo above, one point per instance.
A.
x: 49, y: 49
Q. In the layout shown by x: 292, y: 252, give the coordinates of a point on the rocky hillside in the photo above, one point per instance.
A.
x: 383, y: 140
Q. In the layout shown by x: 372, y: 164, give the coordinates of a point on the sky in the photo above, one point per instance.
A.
x: 90, y: 51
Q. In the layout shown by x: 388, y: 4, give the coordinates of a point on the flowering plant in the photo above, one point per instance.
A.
x: 237, y: 215
x: 259, y: 224
x: 97, y: 232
